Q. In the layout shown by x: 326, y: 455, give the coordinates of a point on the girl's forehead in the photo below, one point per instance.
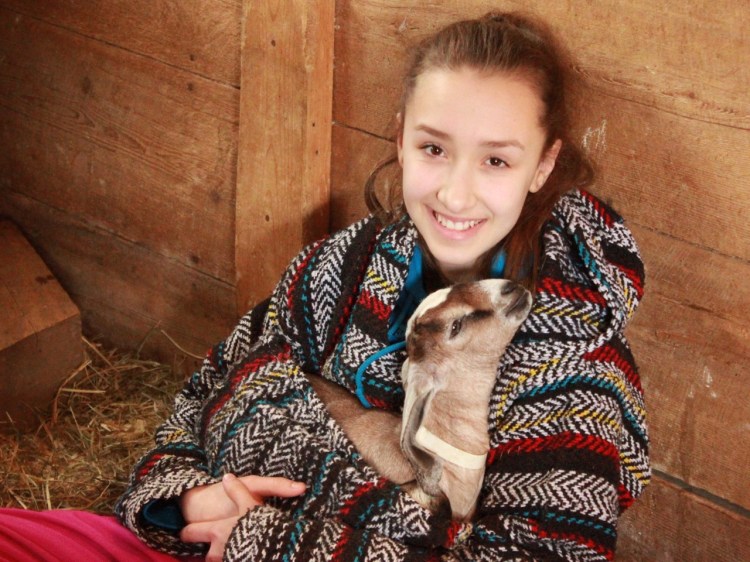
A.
x: 476, y: 101
x: 470, y: 86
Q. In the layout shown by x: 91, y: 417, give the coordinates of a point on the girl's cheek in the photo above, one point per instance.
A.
x: 503, y: 195
x: 420, y: 179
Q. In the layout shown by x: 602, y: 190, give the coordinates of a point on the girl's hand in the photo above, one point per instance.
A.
x: 216, y: 532
x: 244, y: 494
x: 212, y: 503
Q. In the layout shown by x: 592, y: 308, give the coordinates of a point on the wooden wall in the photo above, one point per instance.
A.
x: 120, y: 125
x: 665, y: 111
x: 118, y: 128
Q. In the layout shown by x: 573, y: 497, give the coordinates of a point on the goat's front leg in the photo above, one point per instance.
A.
x: 374, y: 432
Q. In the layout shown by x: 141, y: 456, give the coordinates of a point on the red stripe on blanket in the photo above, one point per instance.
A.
x: 608, y: 553
x: 240, y: 375
x: 361, y: 491
x: 635, y: 278
x: 570, y: 291
x: 564, y: 440
x: 375, y: 305
x: 298, y: 273
x: 338, y: 550
x: 146, y: 468
x: 609, y: 354
x: 625, y: 497
x: 599, y: 208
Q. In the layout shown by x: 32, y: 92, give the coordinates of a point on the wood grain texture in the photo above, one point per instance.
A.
x: 651, y: 54
x: 355, y: 155
x: 673, y: 524
x: 126, y: 293
x: 40, y: 331
x: 676, y: 175
x: 30, y: 296
x: 199, y: 37
x: 284, y: 141
x: 129, y: 145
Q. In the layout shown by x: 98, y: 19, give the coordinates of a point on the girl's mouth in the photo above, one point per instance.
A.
x: 455, y: 225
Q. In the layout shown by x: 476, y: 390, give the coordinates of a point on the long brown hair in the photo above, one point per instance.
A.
x: 518, y: 46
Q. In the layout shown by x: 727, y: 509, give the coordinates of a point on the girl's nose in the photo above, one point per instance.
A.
x: 456, y: 193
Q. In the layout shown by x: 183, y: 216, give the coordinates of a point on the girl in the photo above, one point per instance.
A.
x: 492, y: 185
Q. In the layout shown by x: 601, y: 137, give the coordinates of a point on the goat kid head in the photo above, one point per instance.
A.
x: 455, y: 340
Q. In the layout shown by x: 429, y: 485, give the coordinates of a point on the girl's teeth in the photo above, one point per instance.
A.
x: 449, y: 224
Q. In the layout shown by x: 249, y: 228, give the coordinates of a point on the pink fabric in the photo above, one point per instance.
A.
x: 71, y: 536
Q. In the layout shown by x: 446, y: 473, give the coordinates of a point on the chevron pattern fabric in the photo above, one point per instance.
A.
x: 566, y: 420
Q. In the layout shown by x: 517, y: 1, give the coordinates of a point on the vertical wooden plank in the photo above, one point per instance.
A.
x: 284, y: 139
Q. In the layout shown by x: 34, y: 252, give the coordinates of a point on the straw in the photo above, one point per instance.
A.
x: 102, y: 421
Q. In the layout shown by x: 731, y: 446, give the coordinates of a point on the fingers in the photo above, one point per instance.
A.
x: 240, y: 494
x: 197, y: 532
x: 206, y: 503
x: 216, y: 533
x: 262, y: 486
x: 245, y: 493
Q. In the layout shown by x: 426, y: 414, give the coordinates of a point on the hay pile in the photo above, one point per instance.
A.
x: 102, y: 421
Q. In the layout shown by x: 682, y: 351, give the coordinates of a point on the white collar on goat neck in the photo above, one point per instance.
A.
x: 431, y: 442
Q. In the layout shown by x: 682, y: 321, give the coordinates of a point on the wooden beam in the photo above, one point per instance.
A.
x: 284, y: 138
x: 354, y: 157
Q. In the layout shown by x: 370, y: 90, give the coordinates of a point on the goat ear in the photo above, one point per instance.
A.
x: 405, y: 374
x: 427, y: 466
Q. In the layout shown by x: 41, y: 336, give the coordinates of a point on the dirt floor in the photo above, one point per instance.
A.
x: 102, y: 421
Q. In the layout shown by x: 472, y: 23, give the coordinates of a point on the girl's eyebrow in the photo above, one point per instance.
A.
x: 491, y: 144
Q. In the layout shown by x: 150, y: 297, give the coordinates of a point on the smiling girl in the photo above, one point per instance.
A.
x: 470, y: 161
x: 492, y: 185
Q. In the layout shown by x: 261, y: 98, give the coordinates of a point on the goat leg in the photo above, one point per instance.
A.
x: 374, y: 432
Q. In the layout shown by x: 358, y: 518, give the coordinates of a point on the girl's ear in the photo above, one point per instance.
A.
x: 546, y: 165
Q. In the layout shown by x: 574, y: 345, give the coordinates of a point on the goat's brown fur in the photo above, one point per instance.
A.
x: 454, y: 342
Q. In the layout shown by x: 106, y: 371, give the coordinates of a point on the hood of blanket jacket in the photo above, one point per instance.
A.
x: 589, y: 286
x: 591, y: 279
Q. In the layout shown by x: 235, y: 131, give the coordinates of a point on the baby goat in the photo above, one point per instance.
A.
x: 455, y: 340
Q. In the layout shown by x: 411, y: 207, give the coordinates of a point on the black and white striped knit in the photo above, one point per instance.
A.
x: 566, y: 420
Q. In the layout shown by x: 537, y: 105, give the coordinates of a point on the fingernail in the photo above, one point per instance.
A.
x: 229, y: 476
x: 298, y: 485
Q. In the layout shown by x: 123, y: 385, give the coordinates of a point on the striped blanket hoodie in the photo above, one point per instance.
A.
x: 566, y: 419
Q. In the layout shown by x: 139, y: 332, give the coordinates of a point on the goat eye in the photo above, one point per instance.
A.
x: 455, y: 327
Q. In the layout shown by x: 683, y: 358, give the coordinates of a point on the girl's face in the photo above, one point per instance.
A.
x: 470, y: 149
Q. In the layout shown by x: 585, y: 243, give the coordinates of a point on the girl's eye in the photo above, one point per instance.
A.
x: 433, y: 150
x: 496, y: 162
x: 456, y: 328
